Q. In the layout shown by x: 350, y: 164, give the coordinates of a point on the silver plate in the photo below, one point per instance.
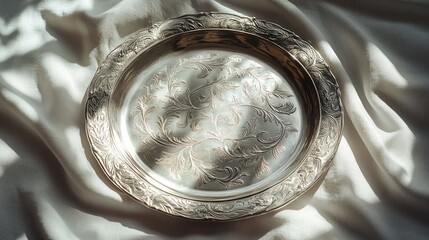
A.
x: 214, y: 116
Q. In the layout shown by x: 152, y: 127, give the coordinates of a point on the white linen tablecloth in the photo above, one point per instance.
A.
x: 52, y: 188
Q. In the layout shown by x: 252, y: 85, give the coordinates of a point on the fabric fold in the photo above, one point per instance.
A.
x: 52, y: 187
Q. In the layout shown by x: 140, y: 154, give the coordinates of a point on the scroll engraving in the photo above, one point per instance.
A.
x: 216, y: 152
x: 117, y: 169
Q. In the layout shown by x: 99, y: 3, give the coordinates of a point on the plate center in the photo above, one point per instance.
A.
x: 211, y: 121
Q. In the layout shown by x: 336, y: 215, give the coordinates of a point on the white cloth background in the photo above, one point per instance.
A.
x: 52, y: 188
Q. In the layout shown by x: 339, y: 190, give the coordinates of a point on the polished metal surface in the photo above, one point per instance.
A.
x: 214, y: 116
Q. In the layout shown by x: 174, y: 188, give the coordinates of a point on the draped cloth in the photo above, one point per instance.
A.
x: 52, y: 188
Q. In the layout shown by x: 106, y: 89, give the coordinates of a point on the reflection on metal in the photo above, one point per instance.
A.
x: 232, y: 118
x: 214, y: 116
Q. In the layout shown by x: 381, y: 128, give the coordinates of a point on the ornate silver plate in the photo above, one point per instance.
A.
x: 214, y: 116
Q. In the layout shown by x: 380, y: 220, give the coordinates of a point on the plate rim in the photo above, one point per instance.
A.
x: 313, y: 167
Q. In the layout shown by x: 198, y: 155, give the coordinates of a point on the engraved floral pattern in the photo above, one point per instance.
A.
x: 113, y: 163
x: 206, y: 103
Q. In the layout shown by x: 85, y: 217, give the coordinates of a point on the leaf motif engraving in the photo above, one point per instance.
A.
x: 280, y: 93
x: 262, y: 166
x: 177, y: 161
x: 277, y: 150
x: 220, y: 89
x: 190, y: 108
x: 284, y: 108
x: 269, y: 199
x: 204, y: 65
